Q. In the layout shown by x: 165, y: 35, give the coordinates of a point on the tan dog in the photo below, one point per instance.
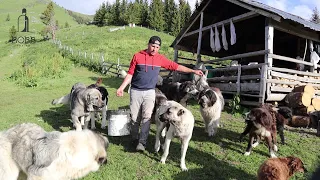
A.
x: 181, y: 123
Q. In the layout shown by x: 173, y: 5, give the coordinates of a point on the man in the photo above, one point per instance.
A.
x: 143, y: 75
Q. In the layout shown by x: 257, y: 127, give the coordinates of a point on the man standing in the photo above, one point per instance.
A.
x: 143, y: 75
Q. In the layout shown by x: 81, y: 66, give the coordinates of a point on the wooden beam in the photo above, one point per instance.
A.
x: 283, y: 58
x: 194, y: 20
x: 263, y: 85
x: 293, y: 72
x: 300, y: 32
x: 297, y: 83
x: 235, y: 19
x: 186, y: 58
x: 287, y: 76
x: 238, y: 56
x: 275, y: 97
x: 233, y: 78
x: 232, y: 87
x: 257, y: 10
x: 199, y: 39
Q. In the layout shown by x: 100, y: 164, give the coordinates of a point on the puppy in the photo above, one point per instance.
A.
x: 83, y: 110
x: 211, y: 104
x: 181, y: 123
x: 180, y: 92
x: 50, y: 155
x: 264, y: 127
x: 280, y: 168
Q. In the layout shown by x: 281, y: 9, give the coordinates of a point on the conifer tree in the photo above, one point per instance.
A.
x: 169, y: 7
x: 156, y: 15
x: 315, y: 17
x: 196, y: 5
x: 48, y: 14
x: 144, y: 12
x: 12, y: 33
x: 8, y: 18
x: 176, y: 22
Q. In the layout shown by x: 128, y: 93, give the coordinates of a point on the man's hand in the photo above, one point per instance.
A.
x: 198, y: 72
x: 120, y: 92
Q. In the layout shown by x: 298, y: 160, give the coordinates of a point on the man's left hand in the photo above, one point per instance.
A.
x: 198, y: 72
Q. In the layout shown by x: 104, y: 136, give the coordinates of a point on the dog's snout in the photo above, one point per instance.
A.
x: 102, y: 160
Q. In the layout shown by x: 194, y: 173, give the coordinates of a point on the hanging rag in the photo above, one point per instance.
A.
x: 213, y: 47
x: 224, y: 38
x: 216, y: 39
x: 233, y: 38
x: 314, y: 59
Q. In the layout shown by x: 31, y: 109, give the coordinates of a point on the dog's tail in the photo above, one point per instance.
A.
x: 99, y: 81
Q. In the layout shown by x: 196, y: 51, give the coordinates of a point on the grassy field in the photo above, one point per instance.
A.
x: 218, y: 157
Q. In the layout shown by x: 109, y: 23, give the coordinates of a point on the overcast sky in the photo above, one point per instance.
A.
x: 302, y: 8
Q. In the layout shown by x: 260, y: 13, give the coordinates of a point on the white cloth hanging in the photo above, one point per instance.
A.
x: 224, y: 38
x: 213, y: 47
x: 233, y: 38
x: 314, y: 59
x: 216, y: 39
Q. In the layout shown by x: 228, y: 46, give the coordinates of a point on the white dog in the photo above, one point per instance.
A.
x: 181, y: 123
x: 50, y: 155
x: 211, y: 104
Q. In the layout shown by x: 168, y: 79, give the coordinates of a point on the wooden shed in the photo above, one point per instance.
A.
x: 271, y: 54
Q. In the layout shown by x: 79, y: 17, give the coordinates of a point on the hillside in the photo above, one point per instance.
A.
x: 34, y: 9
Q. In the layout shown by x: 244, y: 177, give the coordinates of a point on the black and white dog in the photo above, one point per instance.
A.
x: 211, y: 104
x: 179, y: 92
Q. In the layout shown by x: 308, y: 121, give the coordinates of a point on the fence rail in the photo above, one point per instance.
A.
x: 91, y: 59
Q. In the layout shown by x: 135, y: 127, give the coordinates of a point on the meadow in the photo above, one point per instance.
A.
x: 32, y: 75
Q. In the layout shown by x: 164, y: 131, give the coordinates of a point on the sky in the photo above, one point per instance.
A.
x: 302, y: 8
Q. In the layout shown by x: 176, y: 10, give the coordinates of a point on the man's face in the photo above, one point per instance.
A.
x: 153, y: 48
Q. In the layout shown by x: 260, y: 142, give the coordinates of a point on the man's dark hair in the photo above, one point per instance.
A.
x: 153, y: 40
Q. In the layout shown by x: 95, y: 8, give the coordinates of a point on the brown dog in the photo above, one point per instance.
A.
x: 280, y: 168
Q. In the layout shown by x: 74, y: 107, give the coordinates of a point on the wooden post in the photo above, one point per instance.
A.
x: 199, y: 39
x: 85, y: 55
x: 175, y: 58
x: 238, y: 79
x: 269, y: 31
x: 263, y: 82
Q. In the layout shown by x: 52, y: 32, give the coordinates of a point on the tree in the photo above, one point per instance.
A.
x: 176, y: 22
x: 196, y: 5
x: 100, y: 16
x: 12, y: 33
x: 315, y: 17
x: 156, y: 15
x: 66, y: 25
x: 48, y: 14
x: 169, y: 8
x: 8, y: 18
x: 47, y: 18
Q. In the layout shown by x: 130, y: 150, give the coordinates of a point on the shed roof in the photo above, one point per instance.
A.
x: 251, y: 5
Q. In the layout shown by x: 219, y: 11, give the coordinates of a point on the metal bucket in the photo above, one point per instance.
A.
x: 118, y: 122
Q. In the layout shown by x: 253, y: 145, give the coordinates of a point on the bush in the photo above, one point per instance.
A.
x: 236, y: 109
x: 38, y: 63
x: 12, y: 33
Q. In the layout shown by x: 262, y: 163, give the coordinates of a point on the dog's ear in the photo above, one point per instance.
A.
x: 180, y: 112
x: 295, y: 164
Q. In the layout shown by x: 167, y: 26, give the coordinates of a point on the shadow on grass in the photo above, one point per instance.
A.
x: 213, y: 168
x: 57, y: 117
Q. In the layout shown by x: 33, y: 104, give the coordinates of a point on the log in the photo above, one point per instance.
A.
x: 316, y: 103
x: 300, y: 121
x: 303, y: 111
x: 298, y: 99
x: 306, y: 88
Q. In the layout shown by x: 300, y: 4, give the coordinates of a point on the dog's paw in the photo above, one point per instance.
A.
x: 163, y: 161
x: 184, y: 168
x: 93, y: 128
x: 272, y: 155
x: 103, y: 127
x: 247, y: 153
x: 275, y: 148
x: 255, y: 144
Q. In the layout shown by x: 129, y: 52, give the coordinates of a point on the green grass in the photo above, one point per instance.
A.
x: 218, y: 157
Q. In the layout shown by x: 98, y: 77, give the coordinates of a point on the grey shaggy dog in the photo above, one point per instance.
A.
x: 28, y: 149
